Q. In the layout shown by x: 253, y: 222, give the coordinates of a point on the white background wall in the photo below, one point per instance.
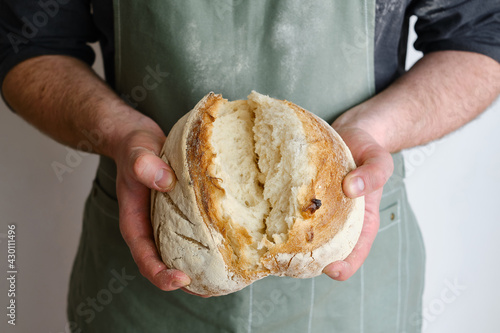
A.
x: 452, y: 183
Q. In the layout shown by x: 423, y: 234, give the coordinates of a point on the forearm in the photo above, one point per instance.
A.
x: 64, y: 98
x: 442, y: 92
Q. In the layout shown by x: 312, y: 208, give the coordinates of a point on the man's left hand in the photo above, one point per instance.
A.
x: 375, y: 166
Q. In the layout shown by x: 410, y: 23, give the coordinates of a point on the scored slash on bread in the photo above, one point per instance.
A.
x: 258, y: 193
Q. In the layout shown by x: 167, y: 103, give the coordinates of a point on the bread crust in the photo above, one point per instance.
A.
x: 322, y: 235
x: 193, y: 235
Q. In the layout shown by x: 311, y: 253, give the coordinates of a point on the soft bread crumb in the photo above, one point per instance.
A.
x: 262, y: 161
x: 216, y: 224
x: 281, y: 146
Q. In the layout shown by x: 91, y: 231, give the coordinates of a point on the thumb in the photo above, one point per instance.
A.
x: 150, y: 170
x: 375, y: 165
x: 370, y: 176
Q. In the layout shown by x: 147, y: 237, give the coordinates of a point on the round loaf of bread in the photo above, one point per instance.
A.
x: 258, y: 193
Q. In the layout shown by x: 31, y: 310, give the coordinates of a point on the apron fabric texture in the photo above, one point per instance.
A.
x: 169, y: 54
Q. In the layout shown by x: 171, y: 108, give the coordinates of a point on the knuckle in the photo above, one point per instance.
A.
x: 145, y: 269
x: 144, y: 272
x: 139, y: 164
x: 376, y: 180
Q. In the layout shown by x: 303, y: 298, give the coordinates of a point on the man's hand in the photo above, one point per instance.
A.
x: 375, y: 166
x: 139, y: 170
x: 440, y: 93
x: 78, y: 101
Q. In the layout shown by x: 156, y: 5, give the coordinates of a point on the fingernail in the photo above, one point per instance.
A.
x: 180, y: 283
x: 356, y: 186
x: 334, y: 274
x: 163, y: 179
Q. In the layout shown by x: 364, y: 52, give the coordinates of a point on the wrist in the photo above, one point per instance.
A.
x: 365, y: 117
x: 117, y: 123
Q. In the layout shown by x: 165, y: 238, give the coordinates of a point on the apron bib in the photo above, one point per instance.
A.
x: 318, y: 54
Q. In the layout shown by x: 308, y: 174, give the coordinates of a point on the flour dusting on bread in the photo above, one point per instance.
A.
x: 259, y: 193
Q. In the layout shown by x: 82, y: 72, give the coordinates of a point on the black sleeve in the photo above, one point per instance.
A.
x: 30, y: 28
x: 462, y: 25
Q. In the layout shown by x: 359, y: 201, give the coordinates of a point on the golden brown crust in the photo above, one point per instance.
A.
x: 200, y: 156
x: 318, y: 224
x: 191, y: 217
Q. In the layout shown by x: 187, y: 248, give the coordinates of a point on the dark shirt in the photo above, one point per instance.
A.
x: 65, y: 27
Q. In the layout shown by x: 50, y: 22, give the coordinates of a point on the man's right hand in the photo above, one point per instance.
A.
x: 139, y: 170
x: 76, y: 101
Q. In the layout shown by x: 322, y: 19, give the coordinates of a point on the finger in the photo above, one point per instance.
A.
x: 375, y: 164
x: 151, y: 267
x: 343, y: 269
x: 371, y: 175
x: 195, y: 294
x: 150, y: 170
x: 137, y: 232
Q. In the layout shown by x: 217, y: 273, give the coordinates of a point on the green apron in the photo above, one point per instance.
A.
x: 318, y: 54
